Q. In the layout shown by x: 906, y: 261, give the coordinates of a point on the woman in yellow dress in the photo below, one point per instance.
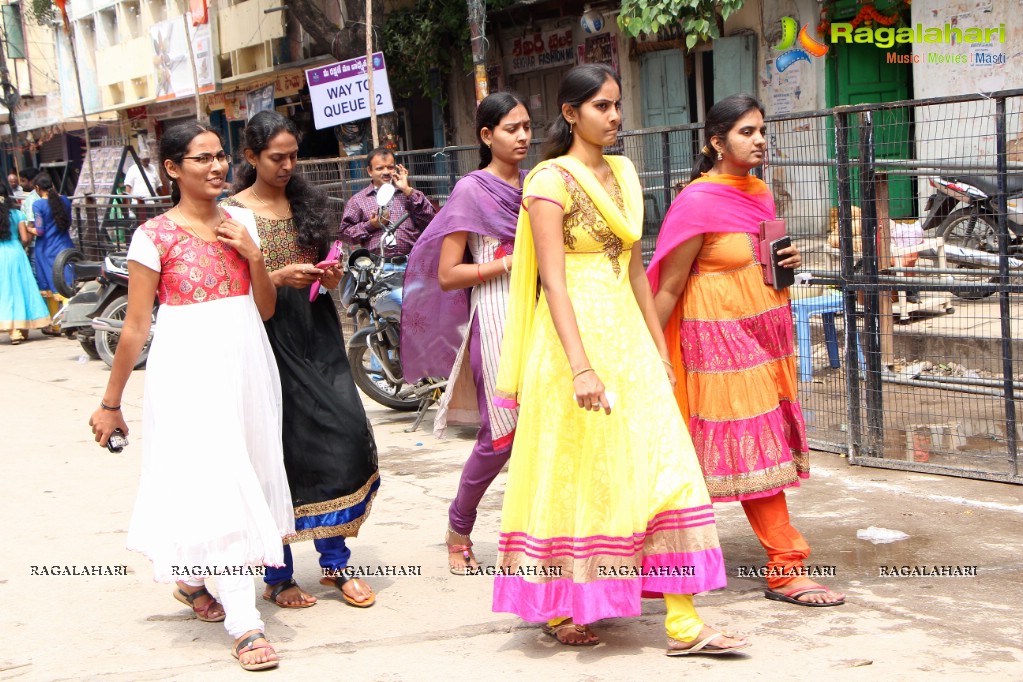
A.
x: 605, y: 502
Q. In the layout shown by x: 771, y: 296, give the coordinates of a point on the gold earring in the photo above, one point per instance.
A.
x: 571, y: 127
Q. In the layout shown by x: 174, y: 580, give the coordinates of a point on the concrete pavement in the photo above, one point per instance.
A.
x: 66, y: 502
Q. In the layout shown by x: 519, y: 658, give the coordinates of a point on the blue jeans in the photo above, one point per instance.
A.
x: 334, y: 555
x: 395, y: 296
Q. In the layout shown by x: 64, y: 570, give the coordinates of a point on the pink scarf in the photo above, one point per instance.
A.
x: 712, y: 203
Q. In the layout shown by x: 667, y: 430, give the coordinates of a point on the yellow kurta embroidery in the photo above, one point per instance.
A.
x: 583, y: 216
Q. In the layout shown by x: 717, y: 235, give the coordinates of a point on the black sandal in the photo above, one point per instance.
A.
x: 246, y: 645
x: 202, y: 613
x: 281, y: 587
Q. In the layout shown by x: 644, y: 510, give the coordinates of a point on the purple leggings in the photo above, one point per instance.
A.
x: 483, y: 464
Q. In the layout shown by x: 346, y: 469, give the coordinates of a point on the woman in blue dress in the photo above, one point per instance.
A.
x: 52, y: 222
x: 21, y: 306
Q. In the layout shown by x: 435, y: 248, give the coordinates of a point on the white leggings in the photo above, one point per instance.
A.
x: 237, y: 594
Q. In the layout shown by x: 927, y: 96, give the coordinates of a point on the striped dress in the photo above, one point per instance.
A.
x: 736, y: 337
x: 488, y: 304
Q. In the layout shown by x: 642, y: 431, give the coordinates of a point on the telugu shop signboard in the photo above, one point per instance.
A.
x: 539, y: 50
x: 340, y: 92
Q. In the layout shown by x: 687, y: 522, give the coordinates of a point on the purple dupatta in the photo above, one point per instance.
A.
x: 434, y: 322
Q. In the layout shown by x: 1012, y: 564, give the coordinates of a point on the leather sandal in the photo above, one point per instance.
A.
x: 201, y: 612
x: 340, y: 580
x: 677, y: 647
x: 281, y: 587
x: 568, y: 624
x: 457, y: 542
x: 246, y: 645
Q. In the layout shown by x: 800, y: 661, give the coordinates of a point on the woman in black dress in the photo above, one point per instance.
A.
x: 329, y: 451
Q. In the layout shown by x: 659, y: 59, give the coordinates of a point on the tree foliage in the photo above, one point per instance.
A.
x: 698, y: 19
x: 431, y: 36
x: 41, y: 12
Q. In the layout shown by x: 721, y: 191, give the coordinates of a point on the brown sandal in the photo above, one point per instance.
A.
x: 201, y: 612
x: 566, y: 624
x: 283, y: 586
x: 340, y: 580
x: 246, y: 645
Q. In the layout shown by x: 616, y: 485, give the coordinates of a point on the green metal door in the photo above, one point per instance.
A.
x: 665, y: 92
x: 861, y: 74
x: 735, y: 66
x: 665, y: 97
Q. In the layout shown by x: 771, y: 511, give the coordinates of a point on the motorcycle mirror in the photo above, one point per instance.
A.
x: 384, y: 194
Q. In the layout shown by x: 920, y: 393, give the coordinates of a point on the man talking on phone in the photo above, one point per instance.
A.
x: 363, y: 221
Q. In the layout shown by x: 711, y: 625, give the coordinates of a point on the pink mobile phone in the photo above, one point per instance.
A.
x: 316, y: 289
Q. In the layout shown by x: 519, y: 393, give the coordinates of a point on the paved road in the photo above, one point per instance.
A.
x: 66, y: 502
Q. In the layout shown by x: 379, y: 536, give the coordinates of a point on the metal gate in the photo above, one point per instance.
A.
x: 906, y: 355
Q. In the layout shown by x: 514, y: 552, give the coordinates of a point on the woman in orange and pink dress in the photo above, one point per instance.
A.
x: 730, y: 338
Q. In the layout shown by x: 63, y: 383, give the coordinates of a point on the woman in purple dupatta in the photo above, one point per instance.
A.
x: 455, y: 295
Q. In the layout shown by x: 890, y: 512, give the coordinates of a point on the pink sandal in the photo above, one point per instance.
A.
x: 246, y: 645
x: 457, y: 542
x: 201, y: 612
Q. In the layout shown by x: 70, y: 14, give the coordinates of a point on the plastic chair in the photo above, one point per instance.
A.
x: 802, y: 310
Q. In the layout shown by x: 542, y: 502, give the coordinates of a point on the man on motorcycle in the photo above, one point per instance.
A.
x: 362, y: 223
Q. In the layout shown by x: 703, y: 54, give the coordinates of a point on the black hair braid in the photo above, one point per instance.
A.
x: 310, y: 208
x: 704, y: 162
x: 5, y: 213
x: 486, y: 156
x: 61, y: 216
x: 558, y: 138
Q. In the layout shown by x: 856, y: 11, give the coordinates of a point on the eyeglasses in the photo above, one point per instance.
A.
x: 207, y: 159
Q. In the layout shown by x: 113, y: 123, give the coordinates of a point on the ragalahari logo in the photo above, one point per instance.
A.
x: 807, y: 46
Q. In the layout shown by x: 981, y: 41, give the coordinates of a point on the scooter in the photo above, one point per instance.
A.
x: 108, y: 284
x: 974, y: 225
x: 970, y: 231
x: 96, y: 312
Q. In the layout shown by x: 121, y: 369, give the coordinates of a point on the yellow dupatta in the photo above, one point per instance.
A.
x: 522, y: 294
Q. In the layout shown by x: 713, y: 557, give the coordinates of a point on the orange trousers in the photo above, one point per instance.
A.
x: 786, y: 548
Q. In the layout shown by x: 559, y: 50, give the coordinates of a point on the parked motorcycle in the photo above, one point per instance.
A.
x: 372, y: 299
x: 371, y: 296
x: 971, y: 230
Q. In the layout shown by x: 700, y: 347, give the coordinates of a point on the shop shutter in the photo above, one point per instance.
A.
x: 52, y: 150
